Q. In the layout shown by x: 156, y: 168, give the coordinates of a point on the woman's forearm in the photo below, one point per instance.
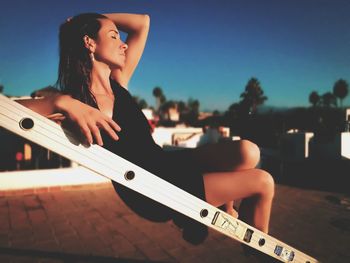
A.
x: 43, y: 106
x: 47, y: 105
x: 89, y: 119
x: 130, y: 23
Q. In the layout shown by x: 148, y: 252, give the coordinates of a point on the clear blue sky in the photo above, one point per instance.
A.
x: 206, y: 50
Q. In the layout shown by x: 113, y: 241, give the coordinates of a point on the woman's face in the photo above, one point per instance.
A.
x: 110, y: 49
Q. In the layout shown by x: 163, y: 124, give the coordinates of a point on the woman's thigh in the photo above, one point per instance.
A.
x: 226, y: 156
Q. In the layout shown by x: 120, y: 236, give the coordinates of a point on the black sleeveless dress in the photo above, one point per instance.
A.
x: 136, y: 144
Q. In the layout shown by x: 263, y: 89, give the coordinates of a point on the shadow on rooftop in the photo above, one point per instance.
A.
x: 323, y: 175
x: 66, y: 257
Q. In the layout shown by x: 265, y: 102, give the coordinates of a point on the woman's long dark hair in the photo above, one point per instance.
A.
x: 75, y: 65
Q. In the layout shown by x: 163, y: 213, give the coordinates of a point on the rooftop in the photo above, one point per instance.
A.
x: 89, y: 223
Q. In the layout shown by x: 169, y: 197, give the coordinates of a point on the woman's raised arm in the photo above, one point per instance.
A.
x: 137, y: 27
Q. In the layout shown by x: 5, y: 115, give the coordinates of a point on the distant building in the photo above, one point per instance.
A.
x: 151, y: 117
x: 204, y: 115
x: 173, y: 114
x: 297, y: 146
x: 149, y: 114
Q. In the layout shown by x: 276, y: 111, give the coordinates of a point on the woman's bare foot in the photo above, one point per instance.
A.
x: 230, y: 210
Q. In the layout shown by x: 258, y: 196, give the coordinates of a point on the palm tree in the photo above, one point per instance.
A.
x: 160, y: 98
x: 340, y: 90
x: 253, y: 95
x: 193, y: 111
x: 182, y: 107
x: 193, y: 105
x: 1, y: 88
x: 314, y: 98
x: 328, y: 99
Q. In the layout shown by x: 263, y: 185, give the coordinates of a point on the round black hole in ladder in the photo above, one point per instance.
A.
x: 26, y: 123
x: 261, y: 242
x: 204, y: 212
x: 129, y: 175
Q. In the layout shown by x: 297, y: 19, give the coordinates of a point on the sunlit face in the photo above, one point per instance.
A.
x: 110, y: 49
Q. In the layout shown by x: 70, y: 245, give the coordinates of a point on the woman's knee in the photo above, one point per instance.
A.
x: 249, y: 154
x: 266, y: 183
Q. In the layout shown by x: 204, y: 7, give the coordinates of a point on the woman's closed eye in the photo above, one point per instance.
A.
x: 114, y: 34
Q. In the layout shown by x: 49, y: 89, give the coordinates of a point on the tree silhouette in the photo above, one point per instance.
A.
x: 182, y: 107
x: 314, y: 98
x: 328, y: 99
x: 160, y: 98
x: 192, y: 111
x: 216, y: 113
x: 193, y: 105
x: 340, y: 90
x: 253, y: 95
x: 167, y: 105
x: 141, y: 102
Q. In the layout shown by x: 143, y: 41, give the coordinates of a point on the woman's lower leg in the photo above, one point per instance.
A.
x: 255, y: 187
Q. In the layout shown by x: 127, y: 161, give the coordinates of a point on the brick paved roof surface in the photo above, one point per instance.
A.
x: 91, y: 224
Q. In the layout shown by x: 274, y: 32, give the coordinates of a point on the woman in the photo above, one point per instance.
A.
x: 94, y: 71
